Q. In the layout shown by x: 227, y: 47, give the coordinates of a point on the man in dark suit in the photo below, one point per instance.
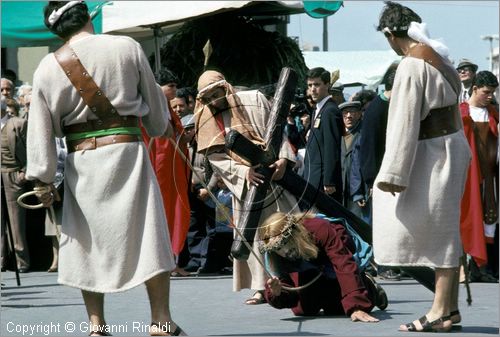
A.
x: 13, y: 156
x: 322, y: 166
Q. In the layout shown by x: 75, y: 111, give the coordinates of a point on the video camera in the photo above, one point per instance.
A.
x: 301, y: 106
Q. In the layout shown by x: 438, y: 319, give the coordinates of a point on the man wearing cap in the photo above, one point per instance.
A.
x: 337, y: 93
x: 351, y: 114
x: 466, y: 71
x: 219, y: 109
x: 114, y: 232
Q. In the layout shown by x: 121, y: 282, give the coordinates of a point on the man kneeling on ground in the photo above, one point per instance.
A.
x: 300, y: 247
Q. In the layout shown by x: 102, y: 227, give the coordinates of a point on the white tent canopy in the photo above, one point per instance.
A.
x: 136, y: 18
x: 356, y: 67
x: 129, y: 16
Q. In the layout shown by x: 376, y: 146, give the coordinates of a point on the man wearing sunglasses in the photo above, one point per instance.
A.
x: 466, y: 71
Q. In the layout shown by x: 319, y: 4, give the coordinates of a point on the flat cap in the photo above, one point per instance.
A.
x: 466, y: 63
x: 353, y: 104
x: 337, y: 86
x: 187, y: 121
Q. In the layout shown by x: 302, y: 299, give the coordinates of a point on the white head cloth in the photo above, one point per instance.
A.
x: 209, y: 87
x: 56, y: 14
x: 418, y: 32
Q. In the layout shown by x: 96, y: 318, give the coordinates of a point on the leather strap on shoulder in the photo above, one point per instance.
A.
x: 430, y: 56
x: 84, y: 83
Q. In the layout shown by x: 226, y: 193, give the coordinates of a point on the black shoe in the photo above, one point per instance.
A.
x: 486, y: 275
x: 191, y: 268
x: 226, y: 271
x: 390, y: 275
x: 372, y: 271
x: 24, y: 270
x: 380, y: 297
x: 206, y: 271
x: 4, y: 269
x: 405, y: 276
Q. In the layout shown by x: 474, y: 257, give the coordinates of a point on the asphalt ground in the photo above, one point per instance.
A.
x: 207, y: 306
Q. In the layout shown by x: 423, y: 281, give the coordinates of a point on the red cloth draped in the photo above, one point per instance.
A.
x: 172, y: 174
x: 471, y: 217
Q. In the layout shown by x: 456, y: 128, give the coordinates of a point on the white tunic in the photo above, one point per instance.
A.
x: 114, y: 231
x: 420, y: 226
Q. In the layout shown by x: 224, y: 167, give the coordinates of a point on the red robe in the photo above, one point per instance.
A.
x: 172, y: 174
x: 471, y: 217
x: 341, y: 295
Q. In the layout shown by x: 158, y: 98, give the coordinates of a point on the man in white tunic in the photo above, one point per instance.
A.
x: 114, y: 232
x: 218, y: 110
x: 425, y: 163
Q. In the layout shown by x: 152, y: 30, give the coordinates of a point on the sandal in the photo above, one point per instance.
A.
x: 455, y: 317
x: 257, y: 298
x: 164, y: 330
x: 435, y: 326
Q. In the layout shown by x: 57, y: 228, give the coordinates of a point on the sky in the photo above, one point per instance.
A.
x: 459, y: 23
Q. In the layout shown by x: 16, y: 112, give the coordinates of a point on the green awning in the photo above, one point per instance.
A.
x: 321, y: 9
x: 22, y: 23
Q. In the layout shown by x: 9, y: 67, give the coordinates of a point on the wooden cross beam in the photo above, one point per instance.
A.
x: 256, y: 195
x: 255, y: 198
x: 299, y: 187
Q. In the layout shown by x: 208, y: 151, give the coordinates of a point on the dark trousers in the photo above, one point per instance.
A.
x: 16, y: 215
x: 200, y: 235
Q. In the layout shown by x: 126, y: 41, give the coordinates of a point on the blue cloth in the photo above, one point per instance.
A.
x: 364, y: 251
x: 225, y: 198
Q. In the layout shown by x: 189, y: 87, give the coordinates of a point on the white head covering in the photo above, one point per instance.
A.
x: 56, y: 14
x: 418, y: 32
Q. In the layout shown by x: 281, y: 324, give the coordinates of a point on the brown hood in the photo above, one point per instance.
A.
x: 209, y: 137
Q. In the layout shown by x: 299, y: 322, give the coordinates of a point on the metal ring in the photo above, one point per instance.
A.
x: 27, y: 194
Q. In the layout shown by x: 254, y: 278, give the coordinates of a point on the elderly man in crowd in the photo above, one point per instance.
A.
x: 13, y: 157
x: 466, y: 71
x: 7, y: 87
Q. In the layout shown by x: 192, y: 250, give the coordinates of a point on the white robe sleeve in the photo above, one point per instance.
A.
x: 156, y: 121
x: 405, y: 113
x: 41, y: 145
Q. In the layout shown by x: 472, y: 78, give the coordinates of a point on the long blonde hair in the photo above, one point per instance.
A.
x: 280, y: 228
